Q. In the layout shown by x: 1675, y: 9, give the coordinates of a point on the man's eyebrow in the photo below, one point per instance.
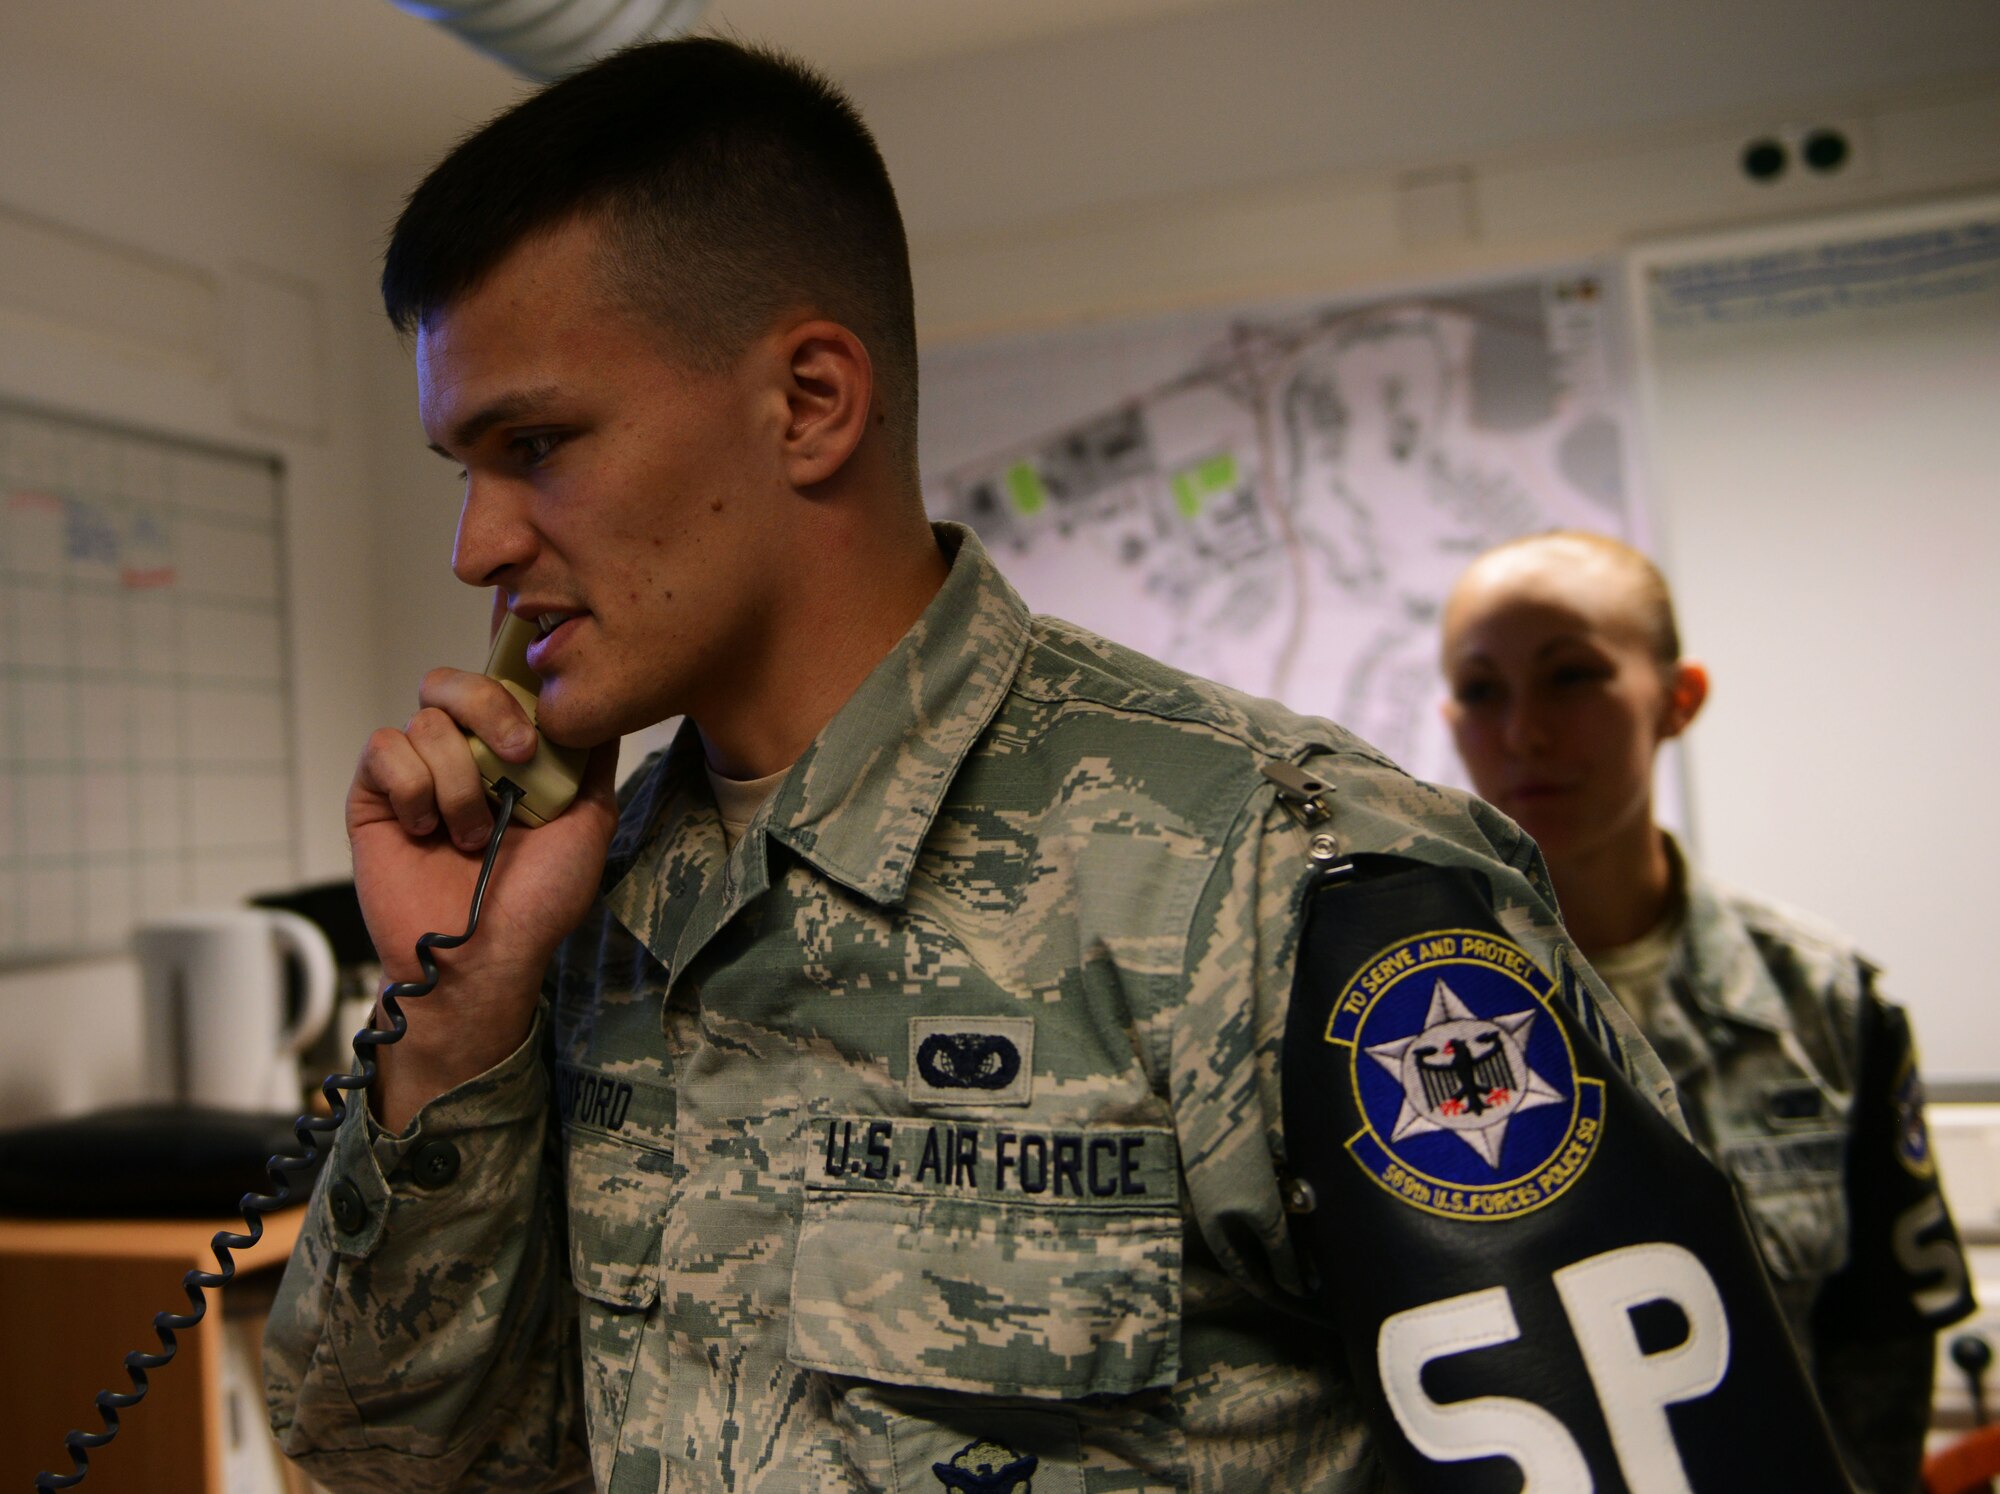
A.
x: 507, y: 407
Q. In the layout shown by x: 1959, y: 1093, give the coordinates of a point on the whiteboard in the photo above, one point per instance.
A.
x: 146, y: 755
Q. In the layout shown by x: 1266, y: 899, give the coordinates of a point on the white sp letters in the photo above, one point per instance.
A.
x: 1935, y: 1258
x: 1633, y: 1388
x: 1487, y: 1424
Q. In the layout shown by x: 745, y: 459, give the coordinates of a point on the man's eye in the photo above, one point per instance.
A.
x: 533, y: 449
x: 1476, y: 693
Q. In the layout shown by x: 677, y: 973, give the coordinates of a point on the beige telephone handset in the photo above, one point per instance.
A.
x: 548, y: 780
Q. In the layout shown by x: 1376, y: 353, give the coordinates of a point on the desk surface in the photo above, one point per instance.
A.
x: 150, y: 1239
x: 75, y: 1295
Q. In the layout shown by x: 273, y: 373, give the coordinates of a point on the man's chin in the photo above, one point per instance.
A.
x: 567, y: 723
x: 570, y: 722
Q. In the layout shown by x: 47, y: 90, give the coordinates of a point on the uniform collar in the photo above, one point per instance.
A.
x: 860, y: 800
x: 1717, y: 961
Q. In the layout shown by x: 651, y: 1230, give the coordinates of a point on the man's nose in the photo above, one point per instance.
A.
x: 495, y: 538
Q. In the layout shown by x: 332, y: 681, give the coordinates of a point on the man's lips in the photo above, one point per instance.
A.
x: 546, y: 616
x: 553, y: 629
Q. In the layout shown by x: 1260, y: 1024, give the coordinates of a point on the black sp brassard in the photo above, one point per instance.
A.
x: 1906, y: 1272
x: 1535, y: 1278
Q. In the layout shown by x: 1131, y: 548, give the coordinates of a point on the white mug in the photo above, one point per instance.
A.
x: 215, y: 1031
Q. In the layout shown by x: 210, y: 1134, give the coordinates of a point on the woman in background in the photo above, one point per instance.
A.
x: 1565, y: 673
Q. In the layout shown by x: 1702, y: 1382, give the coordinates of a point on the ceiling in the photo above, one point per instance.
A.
x: 359, y: 84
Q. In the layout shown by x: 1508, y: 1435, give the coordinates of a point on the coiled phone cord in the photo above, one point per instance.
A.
x: 139, y: 1363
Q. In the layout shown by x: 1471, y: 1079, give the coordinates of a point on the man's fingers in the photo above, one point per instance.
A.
x: 392, y: 771
x: 482, y: 706
x: 456, y: 785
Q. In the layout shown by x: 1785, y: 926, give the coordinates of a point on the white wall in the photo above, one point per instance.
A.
x: 1340, y: 232
x: 1827, y: 484
x: 207, y: 205
x: 427, y: 616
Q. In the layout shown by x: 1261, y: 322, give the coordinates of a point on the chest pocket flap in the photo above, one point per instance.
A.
x: 616, y: 1189
x: 990, y: 1258
x: 1794, y: 1189
x: 617, y: 1168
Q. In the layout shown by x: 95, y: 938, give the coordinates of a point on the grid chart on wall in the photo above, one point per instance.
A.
x: 146, y: 759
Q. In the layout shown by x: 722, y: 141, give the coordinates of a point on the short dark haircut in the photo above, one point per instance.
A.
x: 735, y: 185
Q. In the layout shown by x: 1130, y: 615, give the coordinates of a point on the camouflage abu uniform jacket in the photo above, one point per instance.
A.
x: 1774, y: 1031
x: 934, y: 1129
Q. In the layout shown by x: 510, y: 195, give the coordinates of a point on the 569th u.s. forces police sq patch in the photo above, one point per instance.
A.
x: 1470, y: 1101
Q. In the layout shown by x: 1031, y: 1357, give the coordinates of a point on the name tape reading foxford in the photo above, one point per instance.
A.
x: 596, y: 1101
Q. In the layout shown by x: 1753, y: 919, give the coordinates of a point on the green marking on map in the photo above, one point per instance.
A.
x: 1195, y: 485
x: 1024, y: 486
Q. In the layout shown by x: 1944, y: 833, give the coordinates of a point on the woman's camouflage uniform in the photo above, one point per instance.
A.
x: 1765, y: 1036
x: 929, y: 1140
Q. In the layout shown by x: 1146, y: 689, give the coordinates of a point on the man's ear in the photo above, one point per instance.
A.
x: 1687, y: 691
x: 829, y: 391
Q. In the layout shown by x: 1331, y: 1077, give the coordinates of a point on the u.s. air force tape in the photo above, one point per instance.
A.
x: 1533, y: 1275
x: 1094, y: 1167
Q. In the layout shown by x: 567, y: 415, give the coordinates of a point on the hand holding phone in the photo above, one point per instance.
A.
x: 418, y: 818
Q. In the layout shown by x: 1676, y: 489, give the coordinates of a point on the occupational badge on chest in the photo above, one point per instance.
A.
x: 971, y: 1060
x: 1470, y: 1102
x: 982, y: 1467
x: 977, y: 1450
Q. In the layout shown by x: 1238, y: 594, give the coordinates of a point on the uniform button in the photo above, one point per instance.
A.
x: 435, y: 1163
x: 349, y: 1212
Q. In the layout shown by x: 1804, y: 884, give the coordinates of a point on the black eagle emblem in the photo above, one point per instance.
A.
x: 1466, y: 1079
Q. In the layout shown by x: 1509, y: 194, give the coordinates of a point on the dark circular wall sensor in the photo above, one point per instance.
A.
x: 1825, y: 150
x: 1764, y: 160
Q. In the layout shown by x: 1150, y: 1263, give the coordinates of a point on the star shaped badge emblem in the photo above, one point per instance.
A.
x: 1465, y: 1074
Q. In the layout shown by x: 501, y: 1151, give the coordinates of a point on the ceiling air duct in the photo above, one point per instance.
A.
x: 543, y: 39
